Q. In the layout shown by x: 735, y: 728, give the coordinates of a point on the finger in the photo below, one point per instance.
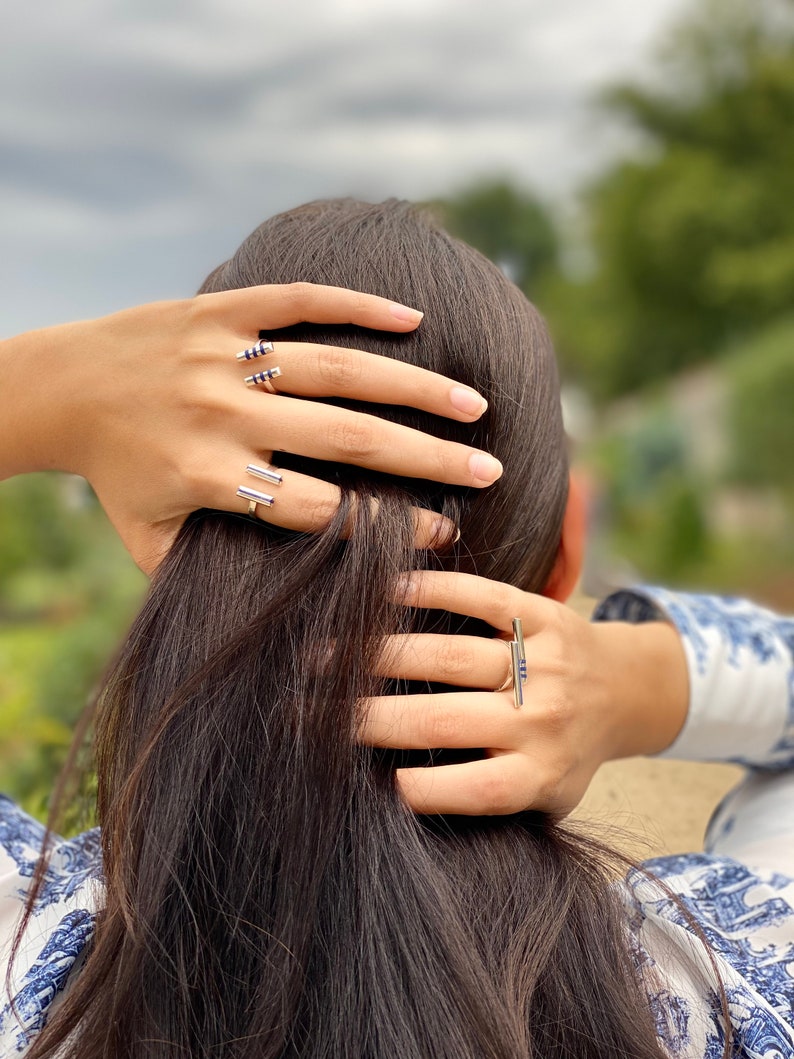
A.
x: 494, y: 786
x: 269, y: 307
x: 439, y: 721
x: 463, y: 661
x: 335, y: 371
x: 477, y: 597
x: 327, y: 433
x: 300, y: 502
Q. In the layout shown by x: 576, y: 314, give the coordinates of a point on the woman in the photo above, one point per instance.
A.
x: 266, y: 893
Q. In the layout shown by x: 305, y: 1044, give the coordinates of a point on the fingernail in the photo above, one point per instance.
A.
x: 443, y: 533
x: 484, y: 467
x: 402, y: 312
x: 468, y: 401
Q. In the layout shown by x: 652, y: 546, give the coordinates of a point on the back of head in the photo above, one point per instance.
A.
x: 269, y: 895
x: 478, y: 328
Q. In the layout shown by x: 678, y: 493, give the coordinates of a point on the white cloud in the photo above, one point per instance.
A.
x: 141, y: 139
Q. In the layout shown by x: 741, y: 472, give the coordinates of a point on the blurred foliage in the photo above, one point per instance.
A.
x: 656, y: 502
x: 663, y: 516
x: 692, y: 242
x: 28, y: 531
x: 682, y: 254
x: 761, y: 409
x: 67, y: 591
x: 510, y: 226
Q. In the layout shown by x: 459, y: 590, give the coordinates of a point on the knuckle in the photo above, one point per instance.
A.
x: 317, y: 511
x: 558, y: 712
x: 453, y: 660
x: 442, y: 728
x: 299, y: 292
x: 552, y: 783
x: 338, y: 368
x: 360, y: 303
x: 547, y: 790
x: 503, y: 602
x: 353, y: 439
x: 446, y: 460
x: 495, y: 794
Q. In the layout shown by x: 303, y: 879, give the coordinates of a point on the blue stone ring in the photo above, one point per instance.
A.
x: 263, y: 379
x: 517, y: 674
x: 261, y: 349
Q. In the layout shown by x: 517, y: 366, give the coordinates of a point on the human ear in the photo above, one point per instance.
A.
x: 570, y: 554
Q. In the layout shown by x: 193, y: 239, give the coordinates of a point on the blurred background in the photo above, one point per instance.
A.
x: 630, y: 166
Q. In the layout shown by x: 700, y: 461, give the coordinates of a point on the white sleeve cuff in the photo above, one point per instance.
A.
x: 741, y: 679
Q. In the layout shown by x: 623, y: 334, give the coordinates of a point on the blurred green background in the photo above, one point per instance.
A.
x: 669, y: 290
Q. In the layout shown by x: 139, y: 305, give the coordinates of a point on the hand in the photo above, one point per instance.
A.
x: 150, y: 406
x: 594, y: 692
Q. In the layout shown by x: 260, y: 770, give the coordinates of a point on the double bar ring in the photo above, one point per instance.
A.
x: 255, y: 496
x: 517, y: 674
x: 265, y: 377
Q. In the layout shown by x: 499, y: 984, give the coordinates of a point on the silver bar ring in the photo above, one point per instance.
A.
x: 260, y: 349
x: 265, y: 473
x: 254, y: 497
x: 517, y: 674
x: 263, y: 379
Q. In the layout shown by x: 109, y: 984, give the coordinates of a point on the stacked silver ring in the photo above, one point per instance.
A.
x: 263, y: 378
x: 517, y: 674
x: 255, y: 496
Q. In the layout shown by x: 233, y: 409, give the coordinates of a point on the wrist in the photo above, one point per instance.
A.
x: 647, y: 683
x: 35, y: 431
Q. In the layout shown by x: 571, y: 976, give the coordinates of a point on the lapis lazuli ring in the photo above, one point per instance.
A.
x: 260, y: 349
x: 263, y: 379
x: 517, y: 674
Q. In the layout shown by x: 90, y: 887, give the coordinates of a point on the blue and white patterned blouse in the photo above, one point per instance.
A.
x: 740, y: 892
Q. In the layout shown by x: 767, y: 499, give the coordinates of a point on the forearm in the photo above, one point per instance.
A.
x: 740, y: 666
x: 34, y: 369
x: 646, y: 686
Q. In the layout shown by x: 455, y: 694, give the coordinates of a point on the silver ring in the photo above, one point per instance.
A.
x: 265, y: 474
x: 261, y: 349
x: 254, y: 497
x: 263, y: 379
x: 517, y: 676
x: 508, y: 680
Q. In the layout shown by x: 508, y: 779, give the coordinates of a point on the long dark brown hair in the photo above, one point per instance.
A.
x: 268, y: 893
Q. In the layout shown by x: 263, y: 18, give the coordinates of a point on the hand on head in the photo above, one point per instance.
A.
x: 593, y: 693
x: 152, y: 409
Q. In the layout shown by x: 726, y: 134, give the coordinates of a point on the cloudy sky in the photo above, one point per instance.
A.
x: 140, y: 140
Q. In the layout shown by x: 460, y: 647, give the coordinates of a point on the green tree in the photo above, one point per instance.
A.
x: 510, y: 226
x: 693, y: 240
x: 761, y: 409
x: 67, y: 590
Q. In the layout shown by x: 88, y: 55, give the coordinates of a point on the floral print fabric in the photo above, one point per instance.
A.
x: 737, y: 896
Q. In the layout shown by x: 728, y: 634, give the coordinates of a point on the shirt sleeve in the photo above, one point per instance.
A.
x: 740, y: 659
